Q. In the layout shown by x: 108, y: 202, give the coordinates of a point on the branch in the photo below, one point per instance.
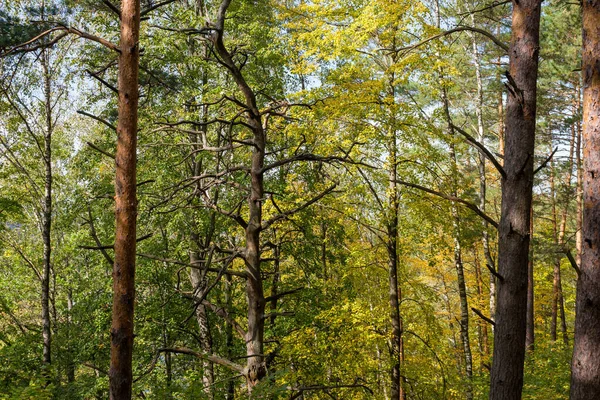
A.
x: 542, y: 165
x: 488, y: 7
x: 210, y: 357
x: 98, y: 149
x: 21, y: 48
x: 102, y: 81
x: 309, y: 157
x: 281, y: 294
x: 573, y: 262
x: 112, y: 7
x: 483, y: 317
x: 494, y: 272
x: 221, y: 312
x: 286, y: 214
x: 155, y: 6
x: 112, y: 246
x: 483, y: 149
x: 300, y: 390
x: 466, y: 203
x: 451, y: 31
x: 105, y: 122
x: 241, y: 274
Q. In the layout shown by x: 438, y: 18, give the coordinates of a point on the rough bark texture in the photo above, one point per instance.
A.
x: 47, y: 211
x: 585, y: 375
x: 120, y: 373
x: 514, y: 235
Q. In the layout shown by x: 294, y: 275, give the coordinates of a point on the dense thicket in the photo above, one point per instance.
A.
x: 327, y: 199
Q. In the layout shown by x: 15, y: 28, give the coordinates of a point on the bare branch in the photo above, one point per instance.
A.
x: 210, y: 357
x: 155, y: 6
x: 281, y: 294
x: 103, y: 121
x: 241, y: 274
x: 488, y: 154
x: 487, y: 34
x: 23, y: 47
x: 102, y: 81
x: 483, y: 317
x: 494, y: 272
x: 286, y: 214
x: 466, y: 203
x: 573, y: 262
x: 546, y: 161
x: 112, y: 7
x: 98, y: 149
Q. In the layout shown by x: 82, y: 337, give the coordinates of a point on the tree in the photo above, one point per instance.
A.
x: 517, y: 182
x: 585, y: 375
x: 125, y: 205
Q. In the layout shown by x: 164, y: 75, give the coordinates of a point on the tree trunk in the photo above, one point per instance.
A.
x: 585, y: 375
x: 120, y: 373
x: 530, y: 324
x: 514, y: 229
x: 199, y: 284
x: 47, y: 210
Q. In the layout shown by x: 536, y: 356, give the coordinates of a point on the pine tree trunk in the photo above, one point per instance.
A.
x: 514, y: 229
x: 585, y: 375
x: 120, y: 373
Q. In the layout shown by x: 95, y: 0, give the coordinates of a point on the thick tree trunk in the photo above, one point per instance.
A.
x: 120, y: 373
x: 585, y: 375
x: 514, y: 235
x: 47, y: 211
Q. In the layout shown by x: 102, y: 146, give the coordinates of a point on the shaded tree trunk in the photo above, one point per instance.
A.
x: 585, y: 375
x: 514, y: 229
x: 120, y: 373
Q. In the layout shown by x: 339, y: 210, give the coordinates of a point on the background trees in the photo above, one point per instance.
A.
x: 318, y: 195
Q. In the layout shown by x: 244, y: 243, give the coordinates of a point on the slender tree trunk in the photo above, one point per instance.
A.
x: 530, y: 324
x: 120, y: 373
x: 458, y: 264
x: 585, y: 375
x: 514, y: 229
x: 482, y: 330
x: 47, y: 210
x: 199, y: 283
x: 579, y: 185
x: 70, y: 361
x: 230, y: 394
x: 395, y: 294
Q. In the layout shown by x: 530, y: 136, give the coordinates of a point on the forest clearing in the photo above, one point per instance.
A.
x: 300, y: 199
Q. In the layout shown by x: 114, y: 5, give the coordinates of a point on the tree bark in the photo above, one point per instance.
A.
x: 396, y: 390
x: 120, y: 374
x: 47, y: 210
x: 585, y: 375
x: 514, y: 235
